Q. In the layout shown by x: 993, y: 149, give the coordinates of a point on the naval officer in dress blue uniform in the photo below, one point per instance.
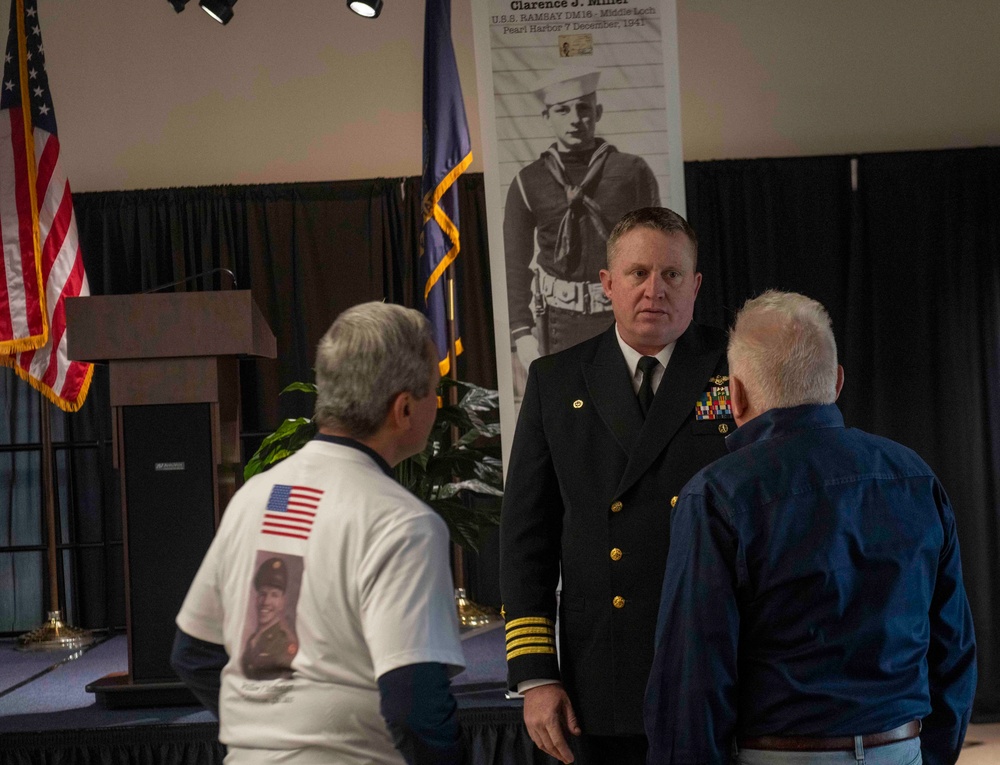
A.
x: 609, y: 431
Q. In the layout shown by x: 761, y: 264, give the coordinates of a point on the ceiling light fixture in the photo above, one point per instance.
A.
x: 370, y: 9
x: 220, y: 10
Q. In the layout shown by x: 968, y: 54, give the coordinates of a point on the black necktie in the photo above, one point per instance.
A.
x: 646, y: 365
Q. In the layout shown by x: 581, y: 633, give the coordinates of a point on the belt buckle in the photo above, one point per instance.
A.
x: 566, y: 293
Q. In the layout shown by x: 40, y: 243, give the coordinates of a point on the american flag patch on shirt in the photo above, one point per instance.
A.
x: 291, y: 511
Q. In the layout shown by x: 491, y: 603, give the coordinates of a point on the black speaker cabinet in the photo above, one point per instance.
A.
x: 170, y: 520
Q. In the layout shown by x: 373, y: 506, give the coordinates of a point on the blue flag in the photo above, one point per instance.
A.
x: 447, y: 154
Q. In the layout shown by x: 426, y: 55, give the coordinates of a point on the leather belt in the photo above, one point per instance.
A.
x: 581, y: 297
x: 838, y: 743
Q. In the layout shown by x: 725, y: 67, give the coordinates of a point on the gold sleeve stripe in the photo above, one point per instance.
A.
x: 530, y: 641
x: 526, y: 620
x: 531, y: 649
x: 530, y: 631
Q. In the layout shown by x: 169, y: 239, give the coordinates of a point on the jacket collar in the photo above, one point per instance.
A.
x: 784, y: 421
x: 610, y: 387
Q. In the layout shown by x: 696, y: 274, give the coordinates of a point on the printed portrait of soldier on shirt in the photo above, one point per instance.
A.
x: 270, y: 642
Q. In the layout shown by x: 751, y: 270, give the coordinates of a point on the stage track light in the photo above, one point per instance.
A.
x: 220, y: 10
x: 370, y: 9
x: 178, y: 4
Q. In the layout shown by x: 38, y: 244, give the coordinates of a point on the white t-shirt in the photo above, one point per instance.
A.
x: 324, y: 575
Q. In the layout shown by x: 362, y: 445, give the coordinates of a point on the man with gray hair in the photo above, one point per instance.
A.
x: 363, y: 571
x: 813, y: 609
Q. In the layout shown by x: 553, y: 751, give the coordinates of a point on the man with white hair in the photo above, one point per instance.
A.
x: 813, y: 609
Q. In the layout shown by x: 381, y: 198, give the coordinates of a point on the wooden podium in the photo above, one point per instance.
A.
x: 175, y: 407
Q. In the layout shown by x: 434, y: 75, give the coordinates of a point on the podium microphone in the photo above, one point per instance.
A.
x: 192, y: 278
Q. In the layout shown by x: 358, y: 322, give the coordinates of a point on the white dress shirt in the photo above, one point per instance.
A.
x: 632, y: 357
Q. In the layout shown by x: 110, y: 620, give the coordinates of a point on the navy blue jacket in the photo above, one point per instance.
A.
x: 813, y: 587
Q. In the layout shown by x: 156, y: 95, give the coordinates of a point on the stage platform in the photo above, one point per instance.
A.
x: 47, y: 716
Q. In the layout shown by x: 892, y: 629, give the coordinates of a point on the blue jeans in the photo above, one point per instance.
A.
x: 899, y: 753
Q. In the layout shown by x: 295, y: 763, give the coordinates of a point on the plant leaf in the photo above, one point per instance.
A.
x: 300, y: 386
x: 290, y: 436
x: 451, y: 489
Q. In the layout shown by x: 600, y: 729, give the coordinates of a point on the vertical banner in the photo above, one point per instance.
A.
x: 580, y: 112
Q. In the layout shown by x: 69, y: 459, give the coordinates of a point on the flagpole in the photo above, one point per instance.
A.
x: 48, y: 490
x: 470, y: 613
x: 457, y: 555
x: 54, y: 635
x: 447, y: 154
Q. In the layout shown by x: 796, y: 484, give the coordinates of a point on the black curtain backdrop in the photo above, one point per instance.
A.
x: 763, y: 224
x: 903, y: 249
x: 306, y: 251
x: 923, y: 340
x: 908, y: 265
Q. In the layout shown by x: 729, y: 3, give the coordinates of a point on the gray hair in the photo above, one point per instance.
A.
x: 658, y: 219
x: 782, y: 348
x: 372, y: 353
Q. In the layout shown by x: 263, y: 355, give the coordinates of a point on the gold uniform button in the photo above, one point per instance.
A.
x: 578, y: 404
x: 618, y: 602
x: 673, y: 501
x: 616, y: 554
x: 723, y: 428
x: 616, y: 507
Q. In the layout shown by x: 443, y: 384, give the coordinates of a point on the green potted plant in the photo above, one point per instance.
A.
x: 460, y: 462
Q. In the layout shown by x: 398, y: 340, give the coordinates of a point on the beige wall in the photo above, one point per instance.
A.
x: 302, y: 90
x: 804, y: 77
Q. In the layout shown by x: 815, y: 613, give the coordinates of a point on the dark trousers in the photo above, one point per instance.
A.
x: 609, y: 750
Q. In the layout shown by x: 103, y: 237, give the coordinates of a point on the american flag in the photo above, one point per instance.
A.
x: 291, y: 511
x: 42, y: 263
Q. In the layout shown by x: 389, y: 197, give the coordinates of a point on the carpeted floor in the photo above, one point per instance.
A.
x: 982, y: 745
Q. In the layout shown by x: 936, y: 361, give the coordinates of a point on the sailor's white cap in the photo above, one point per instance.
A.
x: 566, y: 83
